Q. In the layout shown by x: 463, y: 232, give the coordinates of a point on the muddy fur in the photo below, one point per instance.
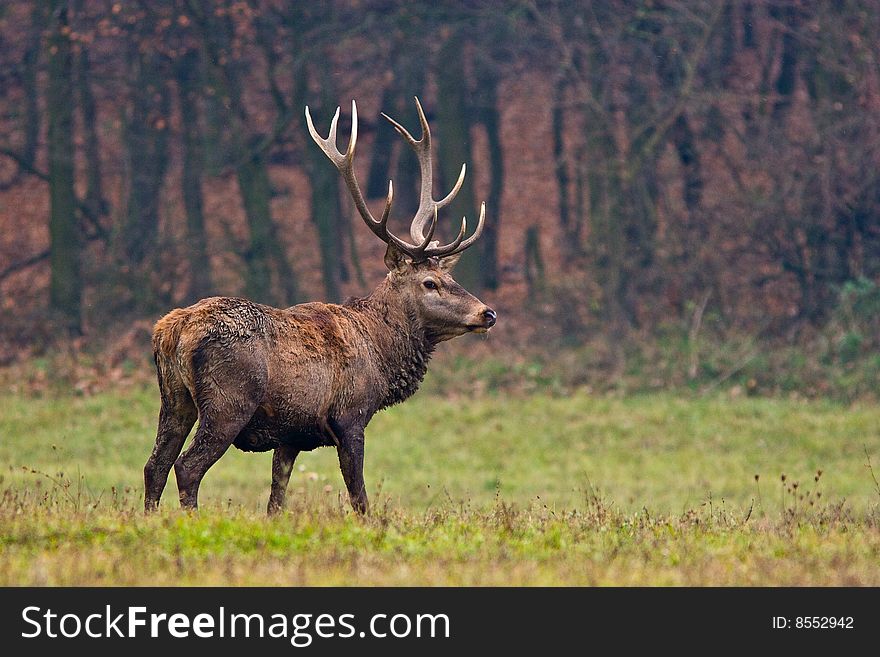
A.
x: 295, y: 379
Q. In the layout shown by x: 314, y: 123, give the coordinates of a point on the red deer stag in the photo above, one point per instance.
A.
x: 294, y: 379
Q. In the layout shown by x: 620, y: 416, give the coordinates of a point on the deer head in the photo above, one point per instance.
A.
x: 419, y: 271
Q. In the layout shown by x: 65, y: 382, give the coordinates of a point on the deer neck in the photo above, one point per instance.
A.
x: 401, y: 343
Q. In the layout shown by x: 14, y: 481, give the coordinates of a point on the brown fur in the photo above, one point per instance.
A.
x: 294, y: 379
x: 166, y: 333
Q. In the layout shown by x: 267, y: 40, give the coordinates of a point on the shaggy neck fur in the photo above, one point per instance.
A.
x: 403, y: 346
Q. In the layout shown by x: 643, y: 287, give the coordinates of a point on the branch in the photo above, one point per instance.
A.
x: 265, y: 42
x: 568, y: 64
x: 85, y: 212
x: 24, y: 264
x: 221, y: 77
x: 35, y: 260
x: 22, y: 163
x: 694, y: 332
x: 661, y: 126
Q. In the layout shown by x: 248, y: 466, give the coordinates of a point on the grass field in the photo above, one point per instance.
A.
x: 522, y: 490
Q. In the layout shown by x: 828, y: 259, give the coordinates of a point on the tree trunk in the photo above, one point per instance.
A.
x: 785, y: 81
x: 253, y: 184
x: 487, y: 89
x: 147, y: 145
x: 65, y: 286
x: 248, y: 152
x: 188, y: 80
x: 454, y: 149
x: 326, y: 205
x: 383, y: 146
x: 406, y: 178
x: 30, y: 68
x: 93, y: 205
x: 698, y: 263
x: 265, y: 248
x: 570, y: 241
x: 533, y: 264
x: 748, y: 25
x: 94, y: 199
x: 325, y: 213
x: 326, y: 209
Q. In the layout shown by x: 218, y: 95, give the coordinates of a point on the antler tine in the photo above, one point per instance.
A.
x: 426, y: 129
x: 431, y: 228
x: 477, y: 232
x: 423, y: 249
x: 388, y: 199
x: 449, y: 249
x: 311, y: 126
x: 412, y: 141
x: 327, y: 145
x: 331, y: 138
x: 380, y: 228
x: 458, y: 245
x: 423, y: 143
x: 349, y: 153
x: 446, y: 200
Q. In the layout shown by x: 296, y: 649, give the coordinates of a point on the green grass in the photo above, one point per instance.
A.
x: 495, y: 489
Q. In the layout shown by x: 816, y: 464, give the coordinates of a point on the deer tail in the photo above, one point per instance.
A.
x: 166, y: 335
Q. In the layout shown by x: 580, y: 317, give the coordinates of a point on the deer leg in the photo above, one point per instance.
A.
x: 282, y: 465
x: 351, y: 462
x: 176, y: 419
x: 229, y: 385
x: 212, y: 439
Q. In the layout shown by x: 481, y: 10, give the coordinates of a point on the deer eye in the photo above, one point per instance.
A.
x: 429, y: 284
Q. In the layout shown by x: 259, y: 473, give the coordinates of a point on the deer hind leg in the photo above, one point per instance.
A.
x: 228, y: 390
x: 176, y: 419
x: 282, y: 466
x: 213, y: 437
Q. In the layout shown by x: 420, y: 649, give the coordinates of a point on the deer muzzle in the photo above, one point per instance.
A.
x: 488, y: 318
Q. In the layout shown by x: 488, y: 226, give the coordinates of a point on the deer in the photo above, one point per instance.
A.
x: 314, y: 374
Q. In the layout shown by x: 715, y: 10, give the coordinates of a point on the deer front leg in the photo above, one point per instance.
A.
x: 282, y: 466
x: 351, y: 462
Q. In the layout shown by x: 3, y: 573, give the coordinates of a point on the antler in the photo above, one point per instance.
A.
x: 426, y: 215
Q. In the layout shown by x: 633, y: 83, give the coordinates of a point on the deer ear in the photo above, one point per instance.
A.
x: 447, y: 263
x: 394, y: 257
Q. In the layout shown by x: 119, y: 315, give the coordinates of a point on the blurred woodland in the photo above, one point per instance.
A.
x: 701, y: 169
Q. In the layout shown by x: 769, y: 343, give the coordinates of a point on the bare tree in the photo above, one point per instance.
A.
x: 65, y: 289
